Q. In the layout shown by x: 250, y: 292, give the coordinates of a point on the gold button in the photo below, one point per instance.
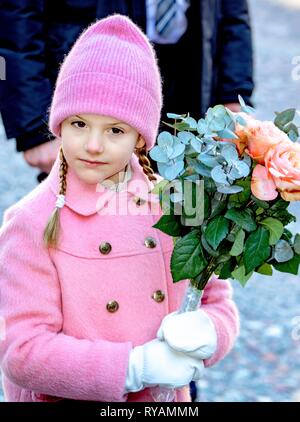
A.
x: 105, y: 248
x: 150, y: 242
x: 158, y: 296
x: 112, y: 306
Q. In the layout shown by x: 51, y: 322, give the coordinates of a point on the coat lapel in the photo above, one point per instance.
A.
x: 84, y: 199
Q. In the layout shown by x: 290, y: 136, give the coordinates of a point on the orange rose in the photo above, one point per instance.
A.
x: 283, y: 163
x: 262, y: 184
x: 260, y: 137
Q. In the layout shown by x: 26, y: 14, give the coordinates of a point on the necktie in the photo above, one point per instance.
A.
x: 165, y: 16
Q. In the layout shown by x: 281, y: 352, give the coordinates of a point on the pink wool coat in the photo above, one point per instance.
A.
x: 60, y: 339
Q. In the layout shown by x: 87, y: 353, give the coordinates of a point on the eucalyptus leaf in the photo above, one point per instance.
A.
x: 202, y: 127
x: 198, y: 167
x: 283, y: 251
x: 208, y: 160
x: 196, y: 144
x: 158, y: 154
x: 191, y: 122
x: 284, y: 117
x: 229, y: 189
x: 229, y: 152
x: 165, y: 139
x: 185, y: 137
x: 297, y: 244
x: 219, y: 175
x: 227, y: 134
x: 177, y: 150
x: 175, y: 116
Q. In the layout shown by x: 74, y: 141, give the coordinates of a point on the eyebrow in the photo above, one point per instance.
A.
x: 108, y: 124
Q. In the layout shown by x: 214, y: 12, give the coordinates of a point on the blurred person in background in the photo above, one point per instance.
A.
x: 204, y: 51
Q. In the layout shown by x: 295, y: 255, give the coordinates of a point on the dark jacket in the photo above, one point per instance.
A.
x: 211, y: 63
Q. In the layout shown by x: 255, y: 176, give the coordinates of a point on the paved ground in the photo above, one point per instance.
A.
x: 265, y: 363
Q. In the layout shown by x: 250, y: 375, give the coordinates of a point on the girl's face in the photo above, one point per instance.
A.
x: 94, y: 137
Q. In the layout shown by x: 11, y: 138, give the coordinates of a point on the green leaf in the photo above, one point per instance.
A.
x: 262, y: 204
x: 242, y: 218
x: 265, y: 269
x: 216, y: 231
x: 238, y: 245
x: 241, y: 198
x: 169, y: 225
x: 240, y: 275
x: 206, y: 205
x: 187, y: 259
x: 259, y: 211
x: 291, y: 266
x: 207, y: 247
x: 226, y: 269
x: 275, y: 228
x: 284, y: 117
x: 160, y: 186
x: 287, y: 235
x: 297, y: 244
x: 279, y: 211
x: 257, y: 249
x: 218, y: 204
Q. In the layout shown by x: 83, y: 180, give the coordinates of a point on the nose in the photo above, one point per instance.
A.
x: 94, y: 144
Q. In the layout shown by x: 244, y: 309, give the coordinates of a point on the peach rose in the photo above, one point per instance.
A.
x: 260, y: 137
x: 262, y: 184
x: 283, y: 163
x: 281, y: 173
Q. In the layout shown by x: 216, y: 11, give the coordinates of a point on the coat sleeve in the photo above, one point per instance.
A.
x: 234, y: 53
x: 35, y: 353
x: 217, y: 302
x: 26, y: 93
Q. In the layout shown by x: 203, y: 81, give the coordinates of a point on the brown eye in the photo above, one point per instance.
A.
x: 79, y: 123
x: 115, y: 128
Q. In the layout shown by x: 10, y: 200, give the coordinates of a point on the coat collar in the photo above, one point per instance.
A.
x: 83, y: 198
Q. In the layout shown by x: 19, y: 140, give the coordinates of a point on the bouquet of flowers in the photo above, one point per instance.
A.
x: 227, y: 182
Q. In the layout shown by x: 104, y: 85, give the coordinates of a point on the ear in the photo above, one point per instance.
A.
x: 140, y: 142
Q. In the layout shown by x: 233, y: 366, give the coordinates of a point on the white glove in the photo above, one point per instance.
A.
x: 155, y: 363
x: 192, y: 333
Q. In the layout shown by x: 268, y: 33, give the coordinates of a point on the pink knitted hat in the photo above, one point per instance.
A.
x: 110, y: 70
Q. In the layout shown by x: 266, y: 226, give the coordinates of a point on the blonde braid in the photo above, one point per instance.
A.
x: 52, y: 229
x: 145, y: 163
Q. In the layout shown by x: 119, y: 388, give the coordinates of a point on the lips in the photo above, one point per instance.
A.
x: 92, y: 162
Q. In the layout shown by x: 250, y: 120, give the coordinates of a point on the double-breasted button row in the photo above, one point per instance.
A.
x: 150, y: 242
x: 158, y: 296
x: 112, y: 306
x: 105, y: 247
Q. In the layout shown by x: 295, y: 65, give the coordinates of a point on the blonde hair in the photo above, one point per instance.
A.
x: 51, y: 232
x: 52, y: 229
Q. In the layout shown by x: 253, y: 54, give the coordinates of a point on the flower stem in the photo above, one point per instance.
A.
x: 200, y: 281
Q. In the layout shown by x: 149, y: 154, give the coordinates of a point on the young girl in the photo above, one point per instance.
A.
x: 85, y: 288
